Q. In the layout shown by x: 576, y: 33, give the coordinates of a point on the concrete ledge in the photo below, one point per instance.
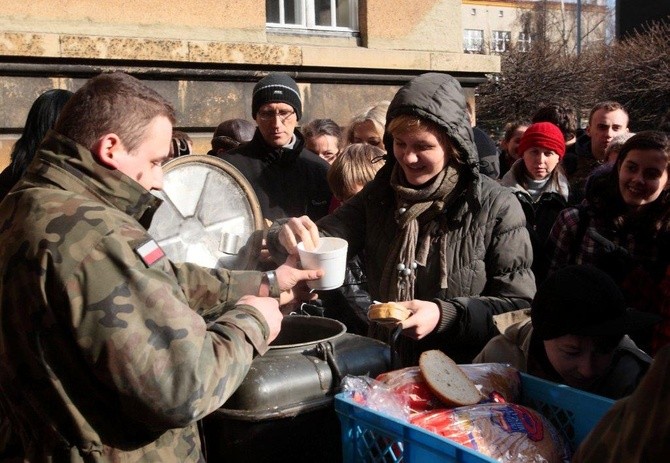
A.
x: 29, y: 44
x: 251, y: 53
x: 78, y: 46
x: 244, y: 53
x: 364, y: 58
x: 464, y: 62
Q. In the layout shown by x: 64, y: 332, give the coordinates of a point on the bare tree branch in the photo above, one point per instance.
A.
x: 634, y: 71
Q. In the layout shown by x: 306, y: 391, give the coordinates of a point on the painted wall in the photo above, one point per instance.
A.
x: 205, y: 57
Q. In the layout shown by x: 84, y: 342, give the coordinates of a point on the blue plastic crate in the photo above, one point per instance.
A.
x: 374, y: 437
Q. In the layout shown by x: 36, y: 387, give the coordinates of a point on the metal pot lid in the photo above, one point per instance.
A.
x: 210, y: 215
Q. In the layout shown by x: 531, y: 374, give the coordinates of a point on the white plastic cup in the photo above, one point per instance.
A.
x: 330, y: 256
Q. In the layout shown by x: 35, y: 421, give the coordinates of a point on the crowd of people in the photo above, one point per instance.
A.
x: 549, y: 250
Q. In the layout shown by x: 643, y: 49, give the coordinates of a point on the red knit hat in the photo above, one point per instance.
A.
x: 544, y: 135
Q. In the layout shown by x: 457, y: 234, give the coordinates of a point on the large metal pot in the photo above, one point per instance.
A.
x: 283, y: 410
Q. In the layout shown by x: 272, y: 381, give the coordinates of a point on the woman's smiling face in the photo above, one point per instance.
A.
x: 643, y: 175
x: 420, y: 154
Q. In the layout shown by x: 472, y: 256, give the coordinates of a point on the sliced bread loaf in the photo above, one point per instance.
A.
x: 447, y: 380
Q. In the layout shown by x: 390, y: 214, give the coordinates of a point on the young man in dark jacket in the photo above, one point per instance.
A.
x: 288, y: 179
x: 607, y: 119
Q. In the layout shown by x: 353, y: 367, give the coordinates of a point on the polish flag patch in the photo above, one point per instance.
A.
x: 150, y: 252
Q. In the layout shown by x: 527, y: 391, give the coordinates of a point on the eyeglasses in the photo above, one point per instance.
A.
x: 271, y: 115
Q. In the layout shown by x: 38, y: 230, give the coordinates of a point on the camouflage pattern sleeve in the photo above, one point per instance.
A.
x: 141, y: 337
x: 104, y: 350
x: 210, y: 292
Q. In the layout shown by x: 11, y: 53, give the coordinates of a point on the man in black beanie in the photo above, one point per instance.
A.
x: 574, y: 334
x: 288, y: 179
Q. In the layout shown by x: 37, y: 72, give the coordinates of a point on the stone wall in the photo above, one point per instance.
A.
x: 206, y: 58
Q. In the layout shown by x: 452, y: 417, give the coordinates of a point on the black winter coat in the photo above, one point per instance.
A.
x: 489, y: 252
x: 287, y: 182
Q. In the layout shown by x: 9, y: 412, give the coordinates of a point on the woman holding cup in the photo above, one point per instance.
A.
x: 439, y: 238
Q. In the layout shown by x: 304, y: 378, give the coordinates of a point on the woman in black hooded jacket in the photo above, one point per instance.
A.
x: 445, y: 241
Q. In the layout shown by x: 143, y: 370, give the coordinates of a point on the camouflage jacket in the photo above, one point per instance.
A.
x: 110, y: 352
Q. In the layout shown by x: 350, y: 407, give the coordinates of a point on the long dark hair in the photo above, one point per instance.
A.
x: 605, y: 197
x: 41, y: 117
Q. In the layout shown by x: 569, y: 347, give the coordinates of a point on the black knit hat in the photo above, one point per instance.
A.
x: 583, y: 300
x: 276, y: 88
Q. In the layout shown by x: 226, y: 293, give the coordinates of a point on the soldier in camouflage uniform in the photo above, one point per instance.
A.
x: 109, y: 351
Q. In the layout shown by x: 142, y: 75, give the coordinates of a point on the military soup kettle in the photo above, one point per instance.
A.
x: 283, y: 410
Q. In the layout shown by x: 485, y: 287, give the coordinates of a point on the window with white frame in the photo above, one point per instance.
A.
x: 500, y: 41
x: 473, y: 41
x: 333, y: 15
x: 523, y: 44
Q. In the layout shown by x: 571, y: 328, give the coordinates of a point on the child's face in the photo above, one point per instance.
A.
x: 540, y: 162
x: 643, y: 175
x: 580, y: 360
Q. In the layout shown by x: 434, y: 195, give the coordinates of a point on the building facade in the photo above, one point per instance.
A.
x: 206, y: 55
x: 494, y: 26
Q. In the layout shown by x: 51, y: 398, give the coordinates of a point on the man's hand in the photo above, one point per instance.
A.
x: 299, y: 229
x: 292, y: 281
x: 269, y: 308
x: 425, y: 317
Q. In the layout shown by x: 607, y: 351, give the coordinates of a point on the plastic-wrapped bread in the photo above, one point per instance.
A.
x: 496, y: 381
x: 507, y: 432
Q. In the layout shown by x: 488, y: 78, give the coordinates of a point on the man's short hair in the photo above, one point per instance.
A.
x: 562, y: 116
x: 112, y: 103
x: 608, y: 106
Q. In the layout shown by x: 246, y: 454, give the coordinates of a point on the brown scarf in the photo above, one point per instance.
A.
x: 417, y: 210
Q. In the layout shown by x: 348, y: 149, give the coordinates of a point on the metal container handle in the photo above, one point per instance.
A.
x: 328, y: 353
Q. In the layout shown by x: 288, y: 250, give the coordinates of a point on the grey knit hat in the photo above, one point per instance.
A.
x: 276, y: 88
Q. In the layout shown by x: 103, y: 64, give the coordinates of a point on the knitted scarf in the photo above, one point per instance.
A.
x: 417, y: 208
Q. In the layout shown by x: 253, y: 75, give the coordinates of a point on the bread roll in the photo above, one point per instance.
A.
x: 447, y: 380
x: 388, y: 312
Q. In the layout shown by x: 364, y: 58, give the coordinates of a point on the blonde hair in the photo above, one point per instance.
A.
x: 375, y: 114
x: 408, y: 124
x: 356, y: 165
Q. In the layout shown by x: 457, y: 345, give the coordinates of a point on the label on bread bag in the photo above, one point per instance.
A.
x: 512, y: 418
